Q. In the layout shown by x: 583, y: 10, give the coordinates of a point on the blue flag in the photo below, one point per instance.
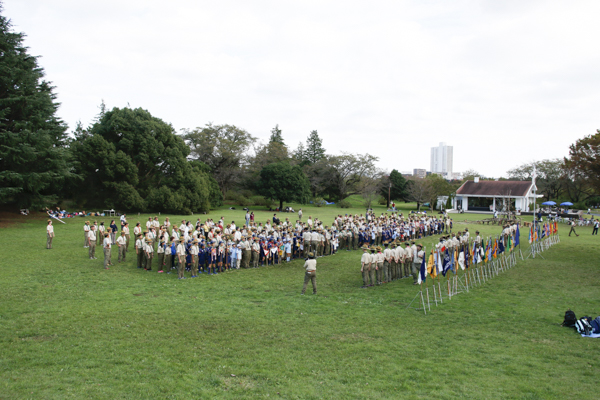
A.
x: 422, y: 272
x: 446, y: 263
x: 501, y: 246
x: 517, y: 236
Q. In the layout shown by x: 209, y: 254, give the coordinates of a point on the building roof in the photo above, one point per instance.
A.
x: 495, y: 188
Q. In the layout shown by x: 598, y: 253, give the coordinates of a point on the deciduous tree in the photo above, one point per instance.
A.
x: 283, y: 182
x: 223, y: 148
x: 584, y: 159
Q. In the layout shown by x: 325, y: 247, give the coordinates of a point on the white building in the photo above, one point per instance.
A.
x: 496, y: 196
x: 441, y: 160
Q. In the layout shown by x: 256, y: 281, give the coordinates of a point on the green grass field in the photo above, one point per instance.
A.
x: 71, y: 330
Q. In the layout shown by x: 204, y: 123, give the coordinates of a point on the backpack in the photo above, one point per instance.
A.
x: 570, y: 319
x: 583, y: 326
x: 596, y: 325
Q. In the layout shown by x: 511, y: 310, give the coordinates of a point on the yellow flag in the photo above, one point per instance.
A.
x: 431, y: 268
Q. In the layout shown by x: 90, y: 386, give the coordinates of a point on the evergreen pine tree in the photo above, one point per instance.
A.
x: 276, y: 136
x: 314, y: 148
x: 34, y: 159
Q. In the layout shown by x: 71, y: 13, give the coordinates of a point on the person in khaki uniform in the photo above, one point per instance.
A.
x: 399, y: 257
x: 107, y: 245
x: 122, y: 246
x: 417, y: 260
x: 379, y: 269
x: 149, y: 250
x: 92, y: 243
x: 306, y: 238
x: 49, y: 234
x: 408, y: 255
x: 127, y: 235
x: 246, y: 253
x: 101, y: 232
x: 373, y: 269
x: 255, y: 253
x: 194, y: 253
x: 181, y: 260
x: 139, y: 250
x: 388, y: 259
x: 310, y: 266
x: 365, y: 266
x: 160, y: 255
x: 86, y: 231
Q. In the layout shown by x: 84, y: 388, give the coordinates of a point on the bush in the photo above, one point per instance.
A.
x: 268, y: 203
x: 237, y: 198
x: 257, y: 200
x: 344, y: 204
x: 319, y: 202
x: 382, y: 201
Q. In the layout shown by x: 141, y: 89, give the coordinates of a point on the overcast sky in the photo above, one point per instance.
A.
x: 504, y: 82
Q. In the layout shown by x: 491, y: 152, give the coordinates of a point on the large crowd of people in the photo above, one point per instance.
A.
x: 212, y: 247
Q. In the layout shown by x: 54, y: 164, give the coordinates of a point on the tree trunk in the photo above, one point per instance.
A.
x: 280, y: 205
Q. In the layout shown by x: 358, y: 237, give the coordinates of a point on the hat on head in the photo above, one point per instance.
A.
x: 419, y: 245
x: 311, y: 255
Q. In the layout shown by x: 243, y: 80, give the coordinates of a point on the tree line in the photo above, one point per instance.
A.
x: 130, y: 160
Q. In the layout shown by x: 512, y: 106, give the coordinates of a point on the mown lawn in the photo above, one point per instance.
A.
x: 70, y: 329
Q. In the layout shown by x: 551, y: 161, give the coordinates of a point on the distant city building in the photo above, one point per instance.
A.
x: 441, y: 160
x: 419, y: 173
x: 406, y: 173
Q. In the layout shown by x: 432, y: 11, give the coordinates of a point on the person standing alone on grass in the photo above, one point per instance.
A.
x: 49, y: 235
x: 596, y: 225
x: 310, y: 266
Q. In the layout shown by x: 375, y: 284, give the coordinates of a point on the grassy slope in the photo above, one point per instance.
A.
x: 70, y: 329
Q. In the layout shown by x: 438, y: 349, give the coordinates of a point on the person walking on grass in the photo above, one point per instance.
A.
x: 310, y: 266
x: 572, y: 223
x: 49, y: 235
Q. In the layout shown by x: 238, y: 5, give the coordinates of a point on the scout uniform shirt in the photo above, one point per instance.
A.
x: 310, y: 265
x: 365, y: 260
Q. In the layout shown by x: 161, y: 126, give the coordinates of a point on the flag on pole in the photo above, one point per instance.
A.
x: 461, y: 260
x: 501, y: 246
x: 422, y: 272
x: 517, y: 237
x: 446, y: 264
x: 431, y: 265
x: 467, y: 257
x: 440, y: 264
